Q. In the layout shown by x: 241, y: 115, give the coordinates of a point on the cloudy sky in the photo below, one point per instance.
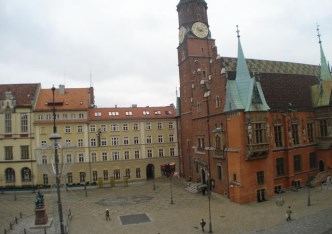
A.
x: 127, y: 48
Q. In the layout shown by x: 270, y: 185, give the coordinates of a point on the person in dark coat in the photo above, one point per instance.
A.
x: 108, y: 215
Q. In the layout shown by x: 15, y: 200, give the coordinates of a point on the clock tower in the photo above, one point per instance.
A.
x: 197, y: 69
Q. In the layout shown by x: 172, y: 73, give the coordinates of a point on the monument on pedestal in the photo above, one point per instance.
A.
x: 40, y: 210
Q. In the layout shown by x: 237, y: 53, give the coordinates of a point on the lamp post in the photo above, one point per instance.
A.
x: 169, y: 169
x: 85, y: 190
x: 55, y: 137
x: 154, y: 178
x: 309, y: 203
x: 206, y: 86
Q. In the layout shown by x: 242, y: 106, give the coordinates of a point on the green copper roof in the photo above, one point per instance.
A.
x: 321, y: 93
x: 324, y: 68
x: 245, y: 93
x: 243, y: 78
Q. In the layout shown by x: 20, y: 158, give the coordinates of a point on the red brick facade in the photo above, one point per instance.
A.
x: 249, y: 155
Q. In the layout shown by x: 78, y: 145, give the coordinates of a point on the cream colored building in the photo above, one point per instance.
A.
x: 71, y: 111
x: 98, y: 145
x: 129, y: 143
x: 101, y: 145
x: 17, y: 135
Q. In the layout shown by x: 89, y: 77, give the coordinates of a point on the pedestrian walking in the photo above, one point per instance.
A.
x: 203, y: 224
x: 108, y: 215
x: 288, y: 214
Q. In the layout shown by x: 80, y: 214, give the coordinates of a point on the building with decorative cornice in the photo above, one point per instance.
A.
x: 130, y: 143
x: 17, y: 135
x: 249, y: 128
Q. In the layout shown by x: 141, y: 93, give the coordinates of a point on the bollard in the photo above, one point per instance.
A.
x: 44, y: 230
x: 25, y: 232
x: 11, y: 226
x: 16, y: 220
x: 5, y: 231
x: 20, y: 214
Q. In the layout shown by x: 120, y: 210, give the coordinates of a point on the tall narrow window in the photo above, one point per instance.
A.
x: 45, y: 179
x: 94, y: 175
x: 127, y: 172
x: 24, y: 122
x: 280, y: 167
x: 219, y: 172
x: 295, y: 134
x: 8, y: 122
x: 322, y: 127
x: 10, y: 175
x: 149, y: 153
x: 24, y: 152
x: 218, y: 142
x: 172, y: 151
x: 258, y: 133
x: 8, y: 152
x: 260, y: 177
x: 136, y: 154
x: 81, y: 157
x: 82, y: 177
x: 138, y: 172
x: 117, y: 174
x: 310, y: 129
x: 278, y: 135
x: 313, y: 160
x: 297, y: 163
x: 126, y: 155
x: 70, y: 177
x: 105, y: 174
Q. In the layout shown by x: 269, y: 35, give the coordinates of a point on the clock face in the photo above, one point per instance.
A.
x: 182, y: 33
x: 200, y: 29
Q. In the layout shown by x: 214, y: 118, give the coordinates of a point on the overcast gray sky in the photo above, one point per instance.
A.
x: 129, y: 46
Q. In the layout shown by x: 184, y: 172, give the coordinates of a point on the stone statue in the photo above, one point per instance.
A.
x: 39, y: 200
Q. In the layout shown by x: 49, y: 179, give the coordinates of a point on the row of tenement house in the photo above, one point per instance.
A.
x: 97, y: 145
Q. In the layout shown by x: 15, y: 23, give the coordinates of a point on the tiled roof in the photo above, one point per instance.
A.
x: 24, y: 94
x: 124, y: 113
x: 71, y: 99
x: 284, y: 84
x: 266, y: 66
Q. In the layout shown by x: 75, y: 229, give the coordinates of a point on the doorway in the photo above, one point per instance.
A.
x: 321, y: 166
x: 261, y: 195
x: 150, y: 172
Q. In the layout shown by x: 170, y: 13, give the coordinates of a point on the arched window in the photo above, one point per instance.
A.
x: 10, y: 175
x: 26, y: 174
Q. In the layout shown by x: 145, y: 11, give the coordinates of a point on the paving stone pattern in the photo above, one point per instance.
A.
x: 184, y: 216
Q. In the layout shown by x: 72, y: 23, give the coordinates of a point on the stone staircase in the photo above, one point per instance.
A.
x: 193, y: 187
x: 320, y: 177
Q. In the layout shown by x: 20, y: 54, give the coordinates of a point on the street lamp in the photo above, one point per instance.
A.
x: 206, y: 86
x: 154, y: 178
x: 55, y: 137
x: 308, y: 184
x: 169, y: 169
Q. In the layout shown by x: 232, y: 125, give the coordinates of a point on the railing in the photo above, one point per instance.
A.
x: 321, y: 176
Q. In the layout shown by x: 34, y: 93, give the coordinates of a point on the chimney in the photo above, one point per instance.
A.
x: 61, y: 89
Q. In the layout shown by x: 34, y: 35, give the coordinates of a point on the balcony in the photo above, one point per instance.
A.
x: 219, y: 154
x: 257, y: 151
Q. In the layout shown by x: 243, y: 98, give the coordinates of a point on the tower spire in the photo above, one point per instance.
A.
x: 324, y: 68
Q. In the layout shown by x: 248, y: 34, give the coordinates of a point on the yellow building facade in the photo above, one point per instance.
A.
x: 17, y: 135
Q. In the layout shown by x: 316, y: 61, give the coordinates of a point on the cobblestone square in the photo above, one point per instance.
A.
x: 88, y: 211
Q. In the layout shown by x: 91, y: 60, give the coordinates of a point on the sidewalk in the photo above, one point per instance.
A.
x: 158, y: 215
